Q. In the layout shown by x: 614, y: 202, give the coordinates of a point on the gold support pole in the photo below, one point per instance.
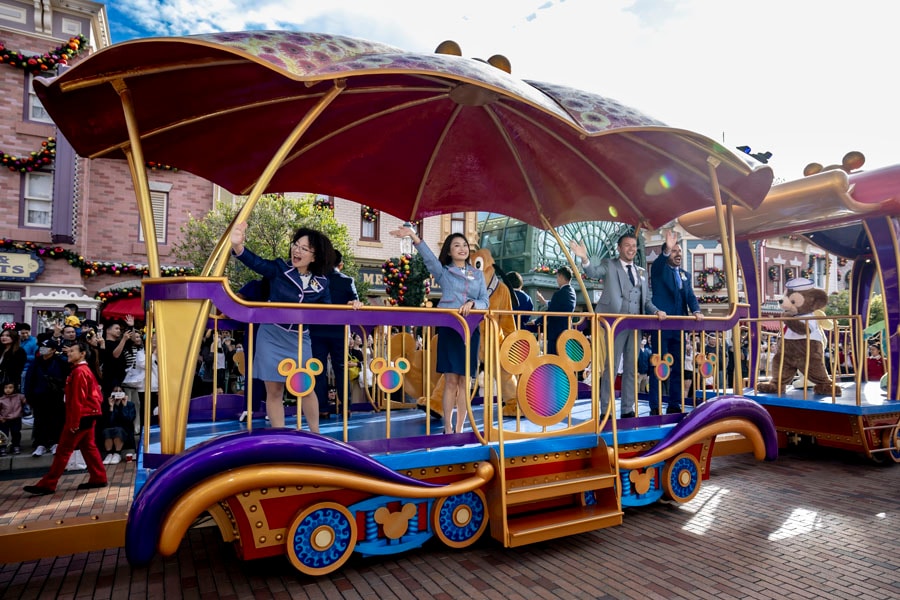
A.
x: 135, y: 155
x: 725, y: 217
x: 215, y: 266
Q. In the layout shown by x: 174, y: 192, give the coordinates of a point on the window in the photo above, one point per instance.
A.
x: 35, y: 109
x: 71, y: 27
x: 38, y: 206
x: 458, y: 223
x: 699, y: 262
x: 370, y: 224
x: 14, y: 14
x: 159, y: 202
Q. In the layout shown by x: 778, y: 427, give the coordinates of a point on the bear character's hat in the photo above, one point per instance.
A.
x: 799, y: 284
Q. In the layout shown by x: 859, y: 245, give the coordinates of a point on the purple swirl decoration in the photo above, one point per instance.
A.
x: 266, y: 446
x: 723, y: 407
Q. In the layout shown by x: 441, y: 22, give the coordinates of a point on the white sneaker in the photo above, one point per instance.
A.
x: 39, y: 451
x: 243, y: 416
x: 53, y: 448
x: 107, y: 459
x: 116, y: 459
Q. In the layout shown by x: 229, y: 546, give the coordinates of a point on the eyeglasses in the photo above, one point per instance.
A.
x: 304, y: 249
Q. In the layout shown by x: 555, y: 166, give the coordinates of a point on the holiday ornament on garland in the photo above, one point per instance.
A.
x: 39, y: 160
x: 406, y: 280
x: 35, y: 161
x: 369, y: 213
x: 711, y: 279
x: 90, y: 268
x: 41, y: 63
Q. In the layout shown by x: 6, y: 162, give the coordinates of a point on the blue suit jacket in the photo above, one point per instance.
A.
x: 343, y: 290
x: 563, y: 300
x: 666, y: 295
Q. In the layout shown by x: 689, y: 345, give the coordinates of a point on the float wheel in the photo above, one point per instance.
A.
x: 459, y: 521
x: 321, y: 538
x: 891, y: 439
x: 681, y: 478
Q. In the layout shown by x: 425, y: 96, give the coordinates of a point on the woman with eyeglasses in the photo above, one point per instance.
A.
x: 302, y: 278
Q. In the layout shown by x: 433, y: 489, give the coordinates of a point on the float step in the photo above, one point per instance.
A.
x: 553, y: 524
x: 533, y: 489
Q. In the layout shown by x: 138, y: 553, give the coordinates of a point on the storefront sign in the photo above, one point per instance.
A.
x: 20, y: 265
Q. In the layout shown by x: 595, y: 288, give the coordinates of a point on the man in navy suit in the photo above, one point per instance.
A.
x: 673, y: 293
x: 562, y: 301
x: 328, y: 340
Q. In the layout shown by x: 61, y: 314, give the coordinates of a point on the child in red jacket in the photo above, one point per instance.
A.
x: 83, y: 408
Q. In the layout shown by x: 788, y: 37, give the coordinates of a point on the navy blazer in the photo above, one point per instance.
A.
x: 285, y: 284
x: 666, y: 295
x: 563, y: 300
x: 343, y: 291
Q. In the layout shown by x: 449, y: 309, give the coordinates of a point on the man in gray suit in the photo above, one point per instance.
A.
x: 626, y: 292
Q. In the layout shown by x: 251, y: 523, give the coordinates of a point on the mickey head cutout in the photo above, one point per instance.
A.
x: 547, y: 388
x: 395, y: 524
x: 389, y: 377
x: 662, y: 365
x: 300, y: 381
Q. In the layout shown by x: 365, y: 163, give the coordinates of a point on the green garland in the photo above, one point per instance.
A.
x: 90, y: 268
x: 35, y: 162
x: 43, y: 158
x: 109, y: 295
x: 369, y: 213
x: 40, y: 63
x: 406, y: 280
x: 718, y: 280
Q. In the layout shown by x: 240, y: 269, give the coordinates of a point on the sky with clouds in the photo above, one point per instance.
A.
x: 806, y: 80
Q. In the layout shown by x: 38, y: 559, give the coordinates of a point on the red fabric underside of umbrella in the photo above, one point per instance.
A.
x: 118, y: 308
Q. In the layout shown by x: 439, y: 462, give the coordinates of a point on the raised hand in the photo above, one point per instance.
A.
x: 671, y: 238
x: 402, y: 232
x: 238, y: 234
x: 578, y: 249
x: 129, y: 320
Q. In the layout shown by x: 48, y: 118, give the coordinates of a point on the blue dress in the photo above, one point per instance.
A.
x: 458, y: 286
x: 275, y: 341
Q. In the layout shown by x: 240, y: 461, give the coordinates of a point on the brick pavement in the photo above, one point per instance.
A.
x: 801, y: 527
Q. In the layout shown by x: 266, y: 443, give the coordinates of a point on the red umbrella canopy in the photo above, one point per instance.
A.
x: 414, y: 135
x: 121, y: 307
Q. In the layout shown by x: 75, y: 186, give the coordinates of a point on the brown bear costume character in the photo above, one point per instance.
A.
x: 801, y: 300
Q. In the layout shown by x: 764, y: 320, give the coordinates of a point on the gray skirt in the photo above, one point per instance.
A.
x: 273, y: 345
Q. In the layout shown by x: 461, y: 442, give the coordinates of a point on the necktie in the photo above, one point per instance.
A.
x: 630, y: 274
x: 677, y: 278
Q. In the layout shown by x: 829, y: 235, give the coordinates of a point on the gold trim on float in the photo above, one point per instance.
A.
x: 218, y: 487
x: 742, y: 426
x: 796, y: 206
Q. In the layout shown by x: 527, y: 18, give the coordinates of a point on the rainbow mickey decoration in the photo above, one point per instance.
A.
x: 406, y: 280
x: 40, y: 63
